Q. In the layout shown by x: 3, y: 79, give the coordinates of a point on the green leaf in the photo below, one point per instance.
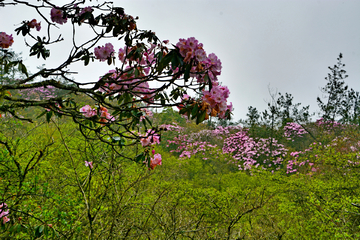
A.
x: 42, y: 114
x: 86, y: 59
x: 23, y: 69
x: 164, y: 62
x: 183, y: 111
x: 162, y: 99
x: 140, y: 158
x: 128, y: 41
x: 187, y: 72
x: 137, y: 72
x: 108, y: 28
x: 176, y: 61
x: 122, y: 142
x: 39, y: 230
x: 79, y: 54
x: 147, y: 119
x: 46, y: 231
x: 116, y: 112
x: 206, y: 78
x: 201, y: 117
x: 194, y: 111
x: 48, y: 116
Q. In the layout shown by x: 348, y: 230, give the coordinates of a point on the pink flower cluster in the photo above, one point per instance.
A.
x: 133, y: 79
x: 130, y: 79
x: 213, y: 65
x: 88, y: 111
x: 104, y: 52
x: 192, y: 50
x: 328, y: 124
x: 206, y: 68
x: 155, y: 160
x: 266, y: 152
x: 191, y: 144
x: 188, y: 147
x: 34, y: 24
x: 4, y: 212
x: 57, y: 16
x: 39, y: 93
x: 85, y: 10
x: 89, y: 164
x: 293, y: 130
x: 150, y: 138
x: 105, y: 116
x: 5, y: 40
x: 217, y: 99
x: 101, y: 112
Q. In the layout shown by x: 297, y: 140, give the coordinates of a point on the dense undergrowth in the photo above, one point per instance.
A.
x: 50, y: 193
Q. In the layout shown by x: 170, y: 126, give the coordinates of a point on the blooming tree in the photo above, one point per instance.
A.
x: 119, y: 102
x: 122, y: 96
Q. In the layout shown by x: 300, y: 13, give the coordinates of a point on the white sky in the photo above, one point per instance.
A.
x: 286, y: 45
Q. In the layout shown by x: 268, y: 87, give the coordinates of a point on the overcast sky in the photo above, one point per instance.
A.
x: 284, y: 45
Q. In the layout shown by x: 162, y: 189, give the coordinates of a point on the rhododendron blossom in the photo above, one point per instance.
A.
x: 85, y: 10
x: 89, y: 164
x: 57, y: 16
x: 105, y: 115
x: 155, y: 161
x: 87, y: 111
x: 104, y: 52
x: 122, y: 55
x: 102, y: 113
x: 34, y: 24
x: 5, y: 40
x: 191, y: 144
x: 217, y: 100
x: 293, y: 130
x: 150, y: 138
x: 4, y: 212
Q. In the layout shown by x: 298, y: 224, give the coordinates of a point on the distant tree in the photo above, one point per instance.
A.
x: 336, y: 93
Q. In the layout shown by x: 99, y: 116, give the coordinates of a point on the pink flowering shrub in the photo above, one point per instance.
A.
x: 57, y: 16
x: 292, y: 130
x: 116, y: 109
x: 248, y: 152
x: 4, y: 212
x: 245, y: 151
x: 5, y: 40
x: 201, y: 143
x: 39, y: 93
x: 329, y: 126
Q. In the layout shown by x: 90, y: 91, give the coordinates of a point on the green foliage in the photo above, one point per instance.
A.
x: 52, y: 194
